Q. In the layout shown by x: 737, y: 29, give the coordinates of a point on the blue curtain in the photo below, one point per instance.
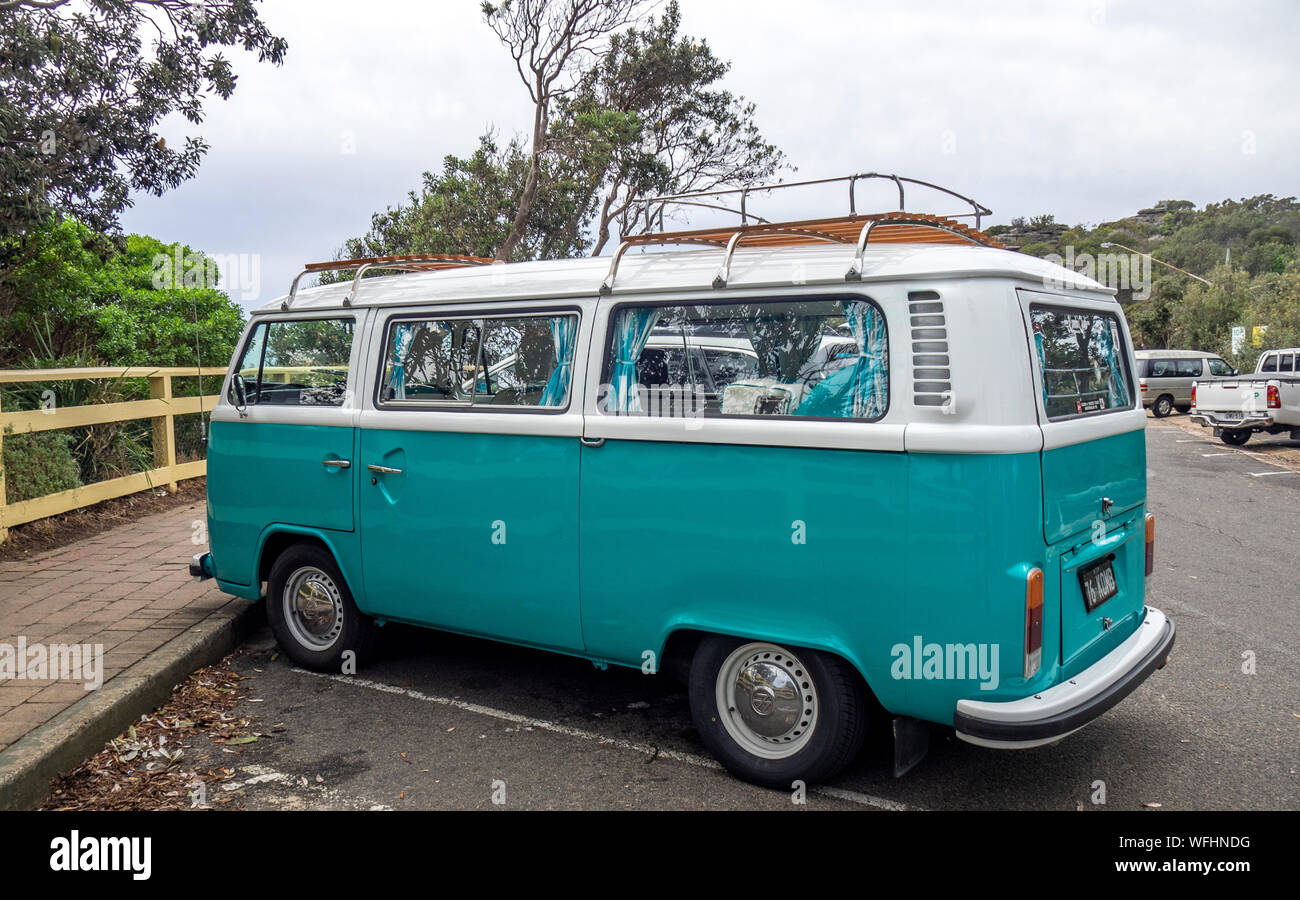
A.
x: 1119, y: 396
x: 632, y: 333
x: 397, y: 380
x: 1042, y: 361
x: 564, y: 331
x: 860, y: 390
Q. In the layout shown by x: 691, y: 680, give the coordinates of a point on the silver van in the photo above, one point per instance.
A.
x: 1165, y: 377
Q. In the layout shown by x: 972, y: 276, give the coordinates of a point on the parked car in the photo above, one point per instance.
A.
x: 1241, y: 405
x: 1165, y: 377
x: 917, y: 485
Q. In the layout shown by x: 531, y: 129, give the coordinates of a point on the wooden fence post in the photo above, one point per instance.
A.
x: 164, y: 430
x: 4, y: 532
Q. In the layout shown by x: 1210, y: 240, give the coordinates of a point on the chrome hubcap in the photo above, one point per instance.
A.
x: 313, y: 608
x: 767, y: 700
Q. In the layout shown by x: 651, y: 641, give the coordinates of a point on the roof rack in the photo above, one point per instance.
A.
x: 416, y: 262
x: 893, y: 227
x: 853, y: 229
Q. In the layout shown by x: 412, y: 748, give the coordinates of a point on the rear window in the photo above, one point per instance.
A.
x: 1081, y: 357
x: 1270, y: 363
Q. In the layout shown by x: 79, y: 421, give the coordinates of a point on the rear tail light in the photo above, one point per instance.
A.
x: 1193, y: 396
x: 1142, y: 383
x: 1151, y: 543
x: 1033, y: 622
x: 1274, y: 398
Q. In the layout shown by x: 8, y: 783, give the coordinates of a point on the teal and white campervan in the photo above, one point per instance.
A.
x: 829, y: 467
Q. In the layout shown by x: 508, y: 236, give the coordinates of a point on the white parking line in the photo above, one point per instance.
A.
x: 555, y: 728
x: 1283, y: 472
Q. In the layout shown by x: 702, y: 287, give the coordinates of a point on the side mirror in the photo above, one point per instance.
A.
x: 240, y: 393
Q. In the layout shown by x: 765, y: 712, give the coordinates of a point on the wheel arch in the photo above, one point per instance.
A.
x: 278, y: 538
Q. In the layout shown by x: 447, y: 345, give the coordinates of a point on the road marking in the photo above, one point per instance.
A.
x: 691, y: 759
x: 1228, y: 453
x: 1192, y: 441
x: 1283, y: 472
x: 264, y: 775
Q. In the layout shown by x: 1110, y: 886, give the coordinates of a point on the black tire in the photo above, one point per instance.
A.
x: 1163, y: 406
x: 837, y: 728
x: 1235, y: 436
x: 349, y: 631
x: 1184, y: 409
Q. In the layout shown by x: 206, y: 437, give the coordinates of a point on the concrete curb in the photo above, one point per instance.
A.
x: 81, y: 730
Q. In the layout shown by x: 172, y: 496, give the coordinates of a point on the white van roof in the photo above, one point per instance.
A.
x: 692, y: 270
x: 1173, y: 354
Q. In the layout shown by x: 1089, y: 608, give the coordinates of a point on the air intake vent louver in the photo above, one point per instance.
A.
x: 931, y: 371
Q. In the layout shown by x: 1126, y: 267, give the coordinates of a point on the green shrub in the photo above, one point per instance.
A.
x: 38, y: 464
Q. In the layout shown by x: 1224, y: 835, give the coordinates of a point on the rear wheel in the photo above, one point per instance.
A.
x: 312, y: 613
x: 1235, y: 436
x: 773, y: 715
x: 1163, y: 406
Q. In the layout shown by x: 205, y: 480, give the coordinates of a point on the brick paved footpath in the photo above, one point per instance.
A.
x: 127, y: 588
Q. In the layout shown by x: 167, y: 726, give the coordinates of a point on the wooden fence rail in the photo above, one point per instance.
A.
x: 161, y: 407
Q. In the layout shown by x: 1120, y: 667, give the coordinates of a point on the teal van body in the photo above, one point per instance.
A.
x: 931, y: 533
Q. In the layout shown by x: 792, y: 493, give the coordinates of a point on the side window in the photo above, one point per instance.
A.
x: 1189, y: 368
x: 306, y: 363
x: 1161, y: 368
x: 1270, y: 363
x: 812, y: 358
x: 1219, y: 367
x: 1285, y: 364
x: 505, y: 361
x: 297, y: 363
x: 250, y: 364
x: 1082, y: 358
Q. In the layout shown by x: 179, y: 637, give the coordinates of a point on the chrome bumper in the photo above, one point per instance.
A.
x: 1050, y: 715
x: 1209, y: 421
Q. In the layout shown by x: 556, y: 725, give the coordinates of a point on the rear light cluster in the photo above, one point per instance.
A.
x: 1193, y: 396
x: 1274, y: 398
x: 1142, y: 383
x: 1151, y: 543
x: 1033, y: 622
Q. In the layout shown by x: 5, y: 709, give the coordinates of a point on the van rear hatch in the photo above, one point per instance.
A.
x: 1094, y: 472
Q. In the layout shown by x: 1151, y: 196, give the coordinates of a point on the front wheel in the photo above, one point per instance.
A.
x: 1235, y: 436
x: 773, y: 715
x: 312, y: 613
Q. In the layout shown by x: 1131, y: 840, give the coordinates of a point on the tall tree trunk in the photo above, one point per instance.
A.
x: 541, y: 124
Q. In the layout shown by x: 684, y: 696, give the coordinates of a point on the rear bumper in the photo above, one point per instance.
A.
x: 201, y: 566
x: 1209, y: 420
x: 1052, y: 714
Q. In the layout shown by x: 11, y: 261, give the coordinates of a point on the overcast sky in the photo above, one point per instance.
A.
x: 1082, y: 108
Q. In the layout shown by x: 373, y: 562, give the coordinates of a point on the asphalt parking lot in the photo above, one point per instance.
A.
x: 446, y: 722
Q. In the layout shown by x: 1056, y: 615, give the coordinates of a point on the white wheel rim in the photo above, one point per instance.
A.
x: 766, y: 700
x: 313, y: 608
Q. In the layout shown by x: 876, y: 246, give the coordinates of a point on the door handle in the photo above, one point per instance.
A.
x: 337, y: 463
x: 384, y: 470
x: 591, y: 442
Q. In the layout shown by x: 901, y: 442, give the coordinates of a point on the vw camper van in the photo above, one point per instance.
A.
x: 838, y: 470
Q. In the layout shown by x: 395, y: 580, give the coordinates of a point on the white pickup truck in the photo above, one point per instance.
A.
x: 1237, y: 406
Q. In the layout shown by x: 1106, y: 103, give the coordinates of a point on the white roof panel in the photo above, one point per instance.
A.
x: 691, y: 270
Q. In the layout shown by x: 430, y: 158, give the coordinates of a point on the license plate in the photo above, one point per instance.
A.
x: 1098, y: 584
x: 1235, y: 416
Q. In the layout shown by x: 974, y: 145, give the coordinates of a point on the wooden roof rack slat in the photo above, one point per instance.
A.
x: 415, y: 262
x: 852, y: 229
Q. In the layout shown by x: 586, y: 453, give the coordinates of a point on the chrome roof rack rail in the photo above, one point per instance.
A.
x: 693, y: 198
x: 854, y: 229
x: 416, y: 262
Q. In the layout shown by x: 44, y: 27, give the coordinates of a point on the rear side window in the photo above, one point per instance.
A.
x: 1285, y: 363
x: 789, y: 358
x: 1160, y: 368
x: 1189, y: 368
x: 519, y: 361
x: 303, y: 362
x: 1082, y: 359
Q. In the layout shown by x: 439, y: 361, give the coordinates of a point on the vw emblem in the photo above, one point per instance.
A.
x: 762, y: 700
